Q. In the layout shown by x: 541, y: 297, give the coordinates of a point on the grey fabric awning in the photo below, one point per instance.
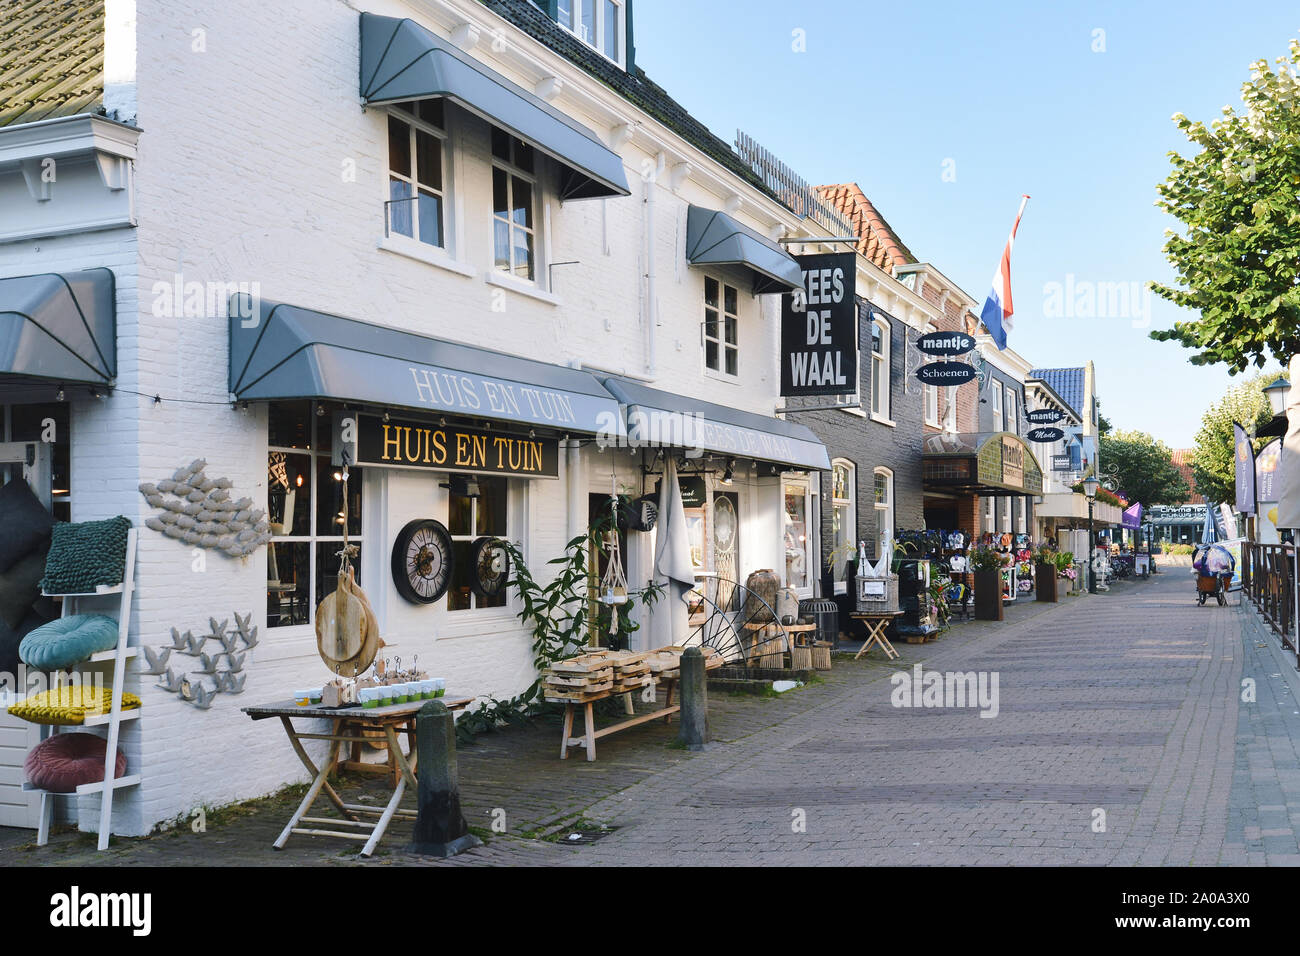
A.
x: 664, y: 418
x: 280, y: 351
x: 714, y: 238
x: 401, y: 60
x: 59, y: 327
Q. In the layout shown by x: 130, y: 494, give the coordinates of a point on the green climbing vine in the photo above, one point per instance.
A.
x: 557, y: 616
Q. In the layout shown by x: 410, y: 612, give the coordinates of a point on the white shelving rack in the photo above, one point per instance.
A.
x: 73, y: 604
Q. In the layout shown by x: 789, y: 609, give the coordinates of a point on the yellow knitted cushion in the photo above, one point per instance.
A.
x: 69, y: 704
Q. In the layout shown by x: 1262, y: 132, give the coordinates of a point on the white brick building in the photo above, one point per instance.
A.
x: 238, y: 154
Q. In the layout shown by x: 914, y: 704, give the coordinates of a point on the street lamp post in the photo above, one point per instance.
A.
x: 1090, y: 486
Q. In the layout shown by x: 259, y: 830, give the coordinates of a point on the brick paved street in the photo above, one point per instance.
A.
x: 1123, y: 709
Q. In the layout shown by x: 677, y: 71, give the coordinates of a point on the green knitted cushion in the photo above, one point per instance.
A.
x: 85, y: 555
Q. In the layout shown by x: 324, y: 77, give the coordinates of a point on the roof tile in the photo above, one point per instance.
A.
x: 51, y: 58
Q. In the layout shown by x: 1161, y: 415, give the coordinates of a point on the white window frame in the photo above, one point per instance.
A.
x: 1023, y: 523
x: 312, y: 538
x: 514, y: 172
x: 932, y: 405
x: 1013, y: 411
x: 810, y: 534
x: 721, y: 338
x: 444, y: 194
x: 1007, y: 527
x: 996, y: 402
x: 850, y: 506
x: 885, y: 508
x: 512, y: 524
x: 949, y: 417
x: 597, y: 42
x: 881, y: 370
x: 990, y: 514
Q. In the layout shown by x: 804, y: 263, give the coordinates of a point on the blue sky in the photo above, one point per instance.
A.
x: 1009, y: 98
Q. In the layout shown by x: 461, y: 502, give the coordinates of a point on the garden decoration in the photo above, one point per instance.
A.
x: 198, y: 511
x: 347, y: 630
x: 613, y: 585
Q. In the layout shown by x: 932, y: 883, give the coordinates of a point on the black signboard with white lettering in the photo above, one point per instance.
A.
x: 418, y: 444
x: 1060, y: 463
x: 819, y: 328
x: 946, y: 373
x: 1044, y: 434
x: 945, y: 343
x: 1044, y: 416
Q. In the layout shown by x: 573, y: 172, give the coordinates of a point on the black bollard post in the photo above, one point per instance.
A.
x: 694, y: 730
x: 440, y: 827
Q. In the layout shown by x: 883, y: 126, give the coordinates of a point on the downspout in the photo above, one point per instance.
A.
x: 652, y: 299
x: 575, y: 483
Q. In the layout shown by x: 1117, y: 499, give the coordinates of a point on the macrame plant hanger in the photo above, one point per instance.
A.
x: 613, y: 585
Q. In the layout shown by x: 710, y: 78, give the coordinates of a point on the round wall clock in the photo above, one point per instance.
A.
x: 490, y: 567
x: 422, y: 561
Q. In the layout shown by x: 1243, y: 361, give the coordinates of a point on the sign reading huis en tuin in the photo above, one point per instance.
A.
x: 819, y: 328
x: 416, y: 444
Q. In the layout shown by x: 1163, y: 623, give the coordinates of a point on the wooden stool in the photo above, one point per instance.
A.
x: 876, y: 624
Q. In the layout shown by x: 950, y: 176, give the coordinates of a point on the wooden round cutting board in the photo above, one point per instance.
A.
x: 341, y: 624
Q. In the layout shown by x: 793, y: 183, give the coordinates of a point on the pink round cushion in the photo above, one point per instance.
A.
x: 64, y: 762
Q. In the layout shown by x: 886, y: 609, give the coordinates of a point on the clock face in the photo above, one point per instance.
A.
x: 422, y: 561
x: 491, y: 567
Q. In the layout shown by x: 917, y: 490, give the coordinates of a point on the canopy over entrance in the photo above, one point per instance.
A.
x: 981, y: 463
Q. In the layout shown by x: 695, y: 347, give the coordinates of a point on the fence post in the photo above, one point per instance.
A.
x: 694, y: 728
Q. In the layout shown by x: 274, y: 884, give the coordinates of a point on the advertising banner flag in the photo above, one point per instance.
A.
x: 1244, y: 455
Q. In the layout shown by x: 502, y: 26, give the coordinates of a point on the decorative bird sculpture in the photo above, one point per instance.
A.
x: 233, y: 683
x: 157, y: 659
x: 209, y: 663
x: 170, y: 682
x: 180, y: 641
x: 203, y: 697
x: 247, y: 632
x: 235, y: 662
x: 186, y: 689
x: 218, y: 630
x: 195, y: 645
x: 230, y: 642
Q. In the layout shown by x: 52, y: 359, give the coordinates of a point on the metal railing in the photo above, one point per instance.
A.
x: 1268, y: 579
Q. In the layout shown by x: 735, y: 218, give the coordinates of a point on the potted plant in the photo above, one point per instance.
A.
x: 986, y: 567
x: 1045, y: 574
x: 1065, y: 567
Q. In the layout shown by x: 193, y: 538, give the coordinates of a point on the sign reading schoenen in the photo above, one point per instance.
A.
x: 75, y: 909
x: 946, y: 689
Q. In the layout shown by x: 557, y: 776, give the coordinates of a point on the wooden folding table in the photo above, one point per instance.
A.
x: 349, y: 725
x: 876, y: 624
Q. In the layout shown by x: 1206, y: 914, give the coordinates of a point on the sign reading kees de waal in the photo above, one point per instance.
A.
x: 819, y: 328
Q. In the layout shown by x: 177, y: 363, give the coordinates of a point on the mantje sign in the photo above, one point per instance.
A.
x: 416, y: 444
x: 946, y: 373
x: 1044, y: 416
x: 1044, y: 435
x: 819, y: 328
x: 945, y: 343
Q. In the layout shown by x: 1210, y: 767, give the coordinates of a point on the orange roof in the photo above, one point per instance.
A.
x: 1182, y: 458
x: 876, y: 239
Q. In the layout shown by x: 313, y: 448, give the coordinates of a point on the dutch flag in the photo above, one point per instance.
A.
x: 997, y: 307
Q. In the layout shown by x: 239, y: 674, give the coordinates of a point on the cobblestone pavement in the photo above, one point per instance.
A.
x: 1121, y: 737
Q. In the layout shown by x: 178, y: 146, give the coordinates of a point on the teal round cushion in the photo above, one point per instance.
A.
x: 68, y: 641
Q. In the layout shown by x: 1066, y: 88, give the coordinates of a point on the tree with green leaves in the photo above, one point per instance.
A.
x: 1214, y: 468
x: 1144, y: 468
x: 1237, y: 255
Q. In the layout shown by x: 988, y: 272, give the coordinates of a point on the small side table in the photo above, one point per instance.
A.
x: 876, y: 624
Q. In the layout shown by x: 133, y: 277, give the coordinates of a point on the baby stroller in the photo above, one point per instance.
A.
x: 1214, y: 566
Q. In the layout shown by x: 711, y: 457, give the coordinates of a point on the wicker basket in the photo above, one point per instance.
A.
x: 877, y: 595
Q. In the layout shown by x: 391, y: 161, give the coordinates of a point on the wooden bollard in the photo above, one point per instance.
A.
x: 440, y: 827
x: 694, y: 727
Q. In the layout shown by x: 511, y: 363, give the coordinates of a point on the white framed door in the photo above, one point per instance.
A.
x: 799, y: 536
x: 17, y: 737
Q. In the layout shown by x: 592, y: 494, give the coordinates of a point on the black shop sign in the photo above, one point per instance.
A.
x: 420, y: 444
x: 819, y: 328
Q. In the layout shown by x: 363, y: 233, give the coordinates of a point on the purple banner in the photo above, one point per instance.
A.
x: 1132, y: 517
x: 1244, y: 454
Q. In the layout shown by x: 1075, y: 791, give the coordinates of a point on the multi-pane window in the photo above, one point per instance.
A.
x: 598, y: 23
x: 307, y: 511
x: 721, y: 327
x: 514, y: 233
x: 880, y: 368
x: 1013, y: 415
x: 884, y: 505
x: 416, y: 140
x: 471, y: 516
x: 45, y: 422
x: 996, y: 402
x: 843, y: 520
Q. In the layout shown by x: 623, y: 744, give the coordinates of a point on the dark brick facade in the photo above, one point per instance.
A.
x: 1019, y: 505
x: 870, y: 444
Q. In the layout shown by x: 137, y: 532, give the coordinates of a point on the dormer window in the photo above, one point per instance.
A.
x: 601, y: 24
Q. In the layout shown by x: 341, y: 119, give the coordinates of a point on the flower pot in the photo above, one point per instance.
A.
x: 1045, y: 582
x: 988, y: 595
